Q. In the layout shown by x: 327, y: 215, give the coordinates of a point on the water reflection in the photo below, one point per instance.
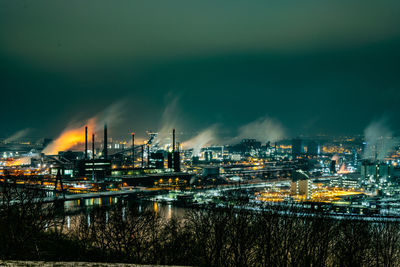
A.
x: 74, y: 210
x: 155, y: 207
x: 169, y: 212
x: 123, y: 213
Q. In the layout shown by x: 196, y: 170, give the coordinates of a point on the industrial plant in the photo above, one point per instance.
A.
x: 332, y: 176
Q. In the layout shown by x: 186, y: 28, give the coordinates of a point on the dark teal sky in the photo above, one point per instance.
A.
x: 314, y: 66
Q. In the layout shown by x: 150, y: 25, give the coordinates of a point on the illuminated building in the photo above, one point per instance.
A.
x: 157, y: 160
x: 208, y: 155
x: 344, y: 181
x: 99, y: 167
x: 302, y: 187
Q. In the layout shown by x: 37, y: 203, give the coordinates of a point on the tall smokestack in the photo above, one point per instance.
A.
x: 176, y: 156
x: 93, y: 157
x: 142, y: 156
x: 86, y: 155
x: 173, y: 140
x: 133, y: 149
x: 92, y: 146
x: 148, y: 155
x: 105, y: 150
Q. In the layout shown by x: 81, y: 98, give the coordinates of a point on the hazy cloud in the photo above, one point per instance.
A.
x: 204, y: 138
x: 18, y: 135
x: 379, y: 138
x: 263, y: 129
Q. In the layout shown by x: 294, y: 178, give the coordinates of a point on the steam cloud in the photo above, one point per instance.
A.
x: 113, y: 115
x: 73, y: 134
x: 379, y: 139
x: 264, y: 129
x: 204, y: 138
x: 170, y: 120
x: 17, y: 135
x: 335, y: 157
x: 70, y: 137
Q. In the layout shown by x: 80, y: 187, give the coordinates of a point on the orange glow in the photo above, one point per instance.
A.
x: 19, y: 161
x: 69, y: 138
x: 155, y: 206
x: 335, y: 149
x: 320, y: 194
x: 343, y: 169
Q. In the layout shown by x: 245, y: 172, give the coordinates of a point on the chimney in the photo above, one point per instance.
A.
x: 142, y: 156
x: 92, y: 146
x: 173, y: 140
x: 93, y: 176
x: 105, y: 150
x: 133, y: 149
x: 175, y: 154
x: 148, y: 155
x: 86, y: 155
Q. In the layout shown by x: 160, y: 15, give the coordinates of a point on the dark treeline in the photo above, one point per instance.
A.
x: 225, y: 237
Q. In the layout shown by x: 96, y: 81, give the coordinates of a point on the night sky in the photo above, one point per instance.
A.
x: 312, y: 66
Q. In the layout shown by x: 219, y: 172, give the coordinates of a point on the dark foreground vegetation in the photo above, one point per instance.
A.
x: 228, y: 237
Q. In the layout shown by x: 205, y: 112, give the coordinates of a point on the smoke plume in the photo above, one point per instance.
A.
x: 17, y: 135
x: 70, y: 137
x: 74, y: 133
x: 379, y: 140
x: 169, y: 120
x: 264, y: 129
x: 204, y: 138
x: 112, y: 115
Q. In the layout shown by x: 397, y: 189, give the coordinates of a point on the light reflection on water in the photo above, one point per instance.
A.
x: 77, y: 207
x: 169, y: 212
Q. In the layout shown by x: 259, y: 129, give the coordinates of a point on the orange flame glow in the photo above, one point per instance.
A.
x: 343, y: 169
x: 19, y: 161
x: 69, y: 138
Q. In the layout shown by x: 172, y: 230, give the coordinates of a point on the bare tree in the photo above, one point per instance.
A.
x: 24, y: 217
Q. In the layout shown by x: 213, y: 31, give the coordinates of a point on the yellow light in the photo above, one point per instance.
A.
x: 155, y: 206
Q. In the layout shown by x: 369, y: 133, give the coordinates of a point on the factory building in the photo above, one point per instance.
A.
x: 211, y: 172
x: 94, y: 168
x: 157, y: 160
x: 376, y: 170
x: 332, y: 167
x: 149, y: 176
x: 297, y: 147
x: 313, y: 148
x: 301, y: 187
x: 345, y: 181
